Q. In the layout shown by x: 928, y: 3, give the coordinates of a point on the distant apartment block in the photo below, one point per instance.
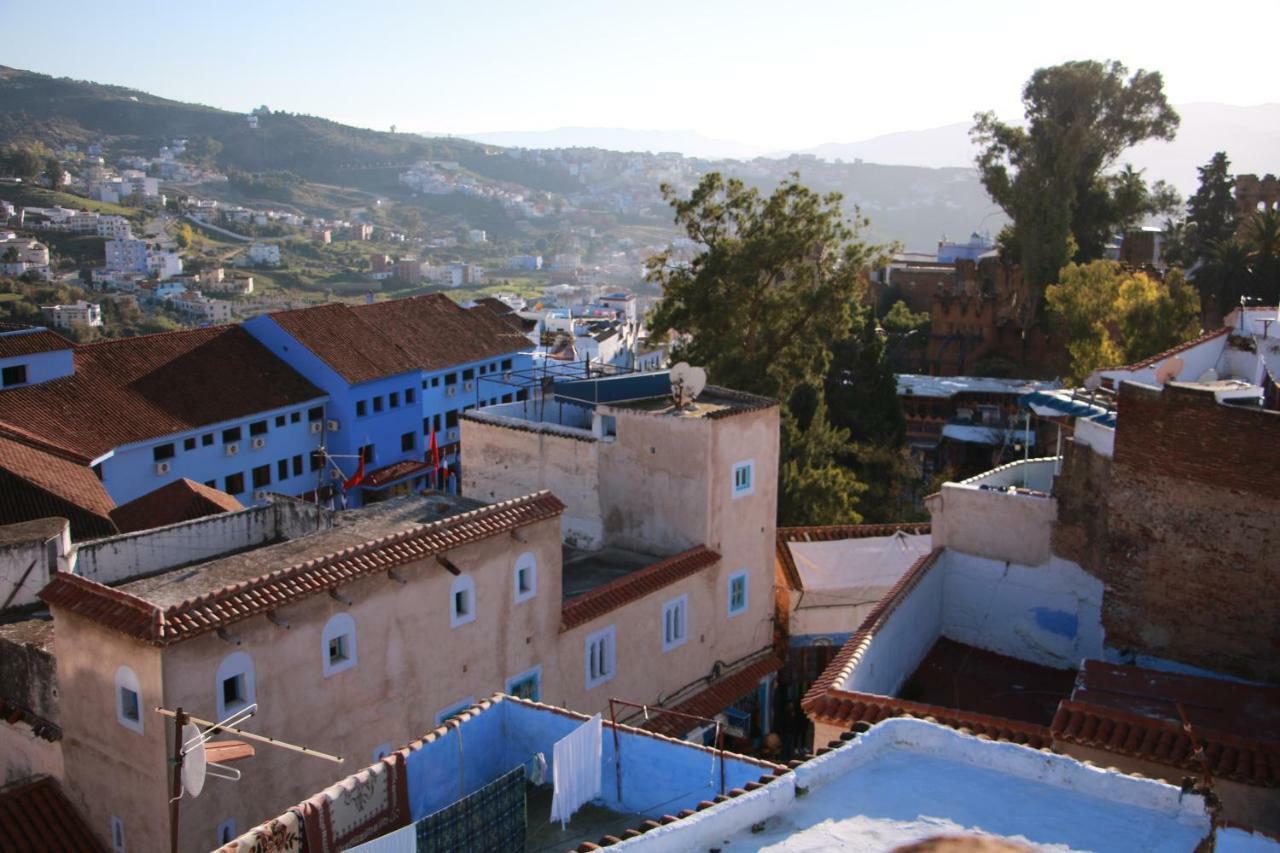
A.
x: 80, y: 313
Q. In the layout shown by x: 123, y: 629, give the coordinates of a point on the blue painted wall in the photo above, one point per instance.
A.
x: 43, y: 366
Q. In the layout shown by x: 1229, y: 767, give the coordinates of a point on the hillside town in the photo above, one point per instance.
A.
x: 375, y: 491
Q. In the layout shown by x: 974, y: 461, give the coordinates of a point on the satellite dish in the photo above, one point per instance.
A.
x: 687, y: 383
x: 1092, y: 382
x: 194, y: 765
x: 1169, y: 370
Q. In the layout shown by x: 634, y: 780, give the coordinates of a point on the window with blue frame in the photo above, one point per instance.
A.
x: 737, y: 593
x: 377, y: 403
x: 393, y: 399
x: 526, y: 685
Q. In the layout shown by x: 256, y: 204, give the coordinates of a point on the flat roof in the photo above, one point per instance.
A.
x: 713, y: 402
x: 586, y: 570
x: 922, y: 385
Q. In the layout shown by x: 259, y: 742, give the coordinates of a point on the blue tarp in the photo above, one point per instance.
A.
x: 1048, y: 403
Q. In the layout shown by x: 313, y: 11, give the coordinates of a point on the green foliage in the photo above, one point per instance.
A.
x: 53, y: 171
x: 1211, y: 210
x: 203, y: 151
x: 1111, y: 315
x: 862, y: 391
x: 1051, y: 176
x: 184, y: 236
x: 21, y: 162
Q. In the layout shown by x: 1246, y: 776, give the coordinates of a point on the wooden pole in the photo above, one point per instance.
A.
x: 305, y: 750
x: 175, y: 787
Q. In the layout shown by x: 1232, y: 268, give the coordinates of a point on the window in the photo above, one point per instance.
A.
x: 468, y: 374
x: 600, y: 657
x: 435, y: 421
x: 317, y: 460
x: 526, y: 685
x: 406, y: 441
x: 506, y: 398
x: 206, y: 440
x: 262, y: 476
x: 377, y: 403
x: 14, y: 374
x: 362, y: 408
x: 482, y: 370
x: 522, y: 394
x: 338, y: 644
x: 526, y: 576
x: 282, y: 469
x: 454, y: 710
x: 230, y: 436
x: 744, y: 480
x: 189, y: 443
x: 451, y: 379
x: 233, y: 685
x: 462, y: 601
x: 227, y: 831
x: 366, y: 453
x: 128, y: 699
x: 280, y: 420
x: 213, y: 484
x: 315, y: 413
x: 506, y: 364
x: 451, y: 419
x: 117, y: 834
x: 295, y: 417
x: 408, y: 395
x: 393, y: 399
x: 162, y: 451
x: 297, y: 465
x: 435, y: 381
x: 675, y: 623
x: 233, y: 484
x: 737, y: 593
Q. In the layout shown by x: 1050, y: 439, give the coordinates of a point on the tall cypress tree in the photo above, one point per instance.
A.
x: 1211, y: 212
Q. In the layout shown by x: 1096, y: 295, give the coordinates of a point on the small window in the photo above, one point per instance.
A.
x: 435, y: 381
x: 675, y: 623
x: 526, y: 576
x: 233, y: 684
x: 737, y: 593
x: 407, y: 440
x: 338, y: 644
x: 280, y: 421
x: 362, y: 408
x: 482, y: 370
x: 14, y: 374
x: 233, y: 484
x: 161, y: 452
x: 451, y: 419
x: 468, y: 374
x: 522, y: 394
x: 128, y: 699
x: 315, y: 413
x: 213, y: 484
x: 526, y: 685
x: 377, y: 403
x: 117, y: 835
x: 258, y: 428
x: 227, y: 831
x: 506, y: 364
x: 600, y: 663
x: 262, y: 476
x: 506, y: 398
x: 744, y: 482
x: 206, y: 440
x: 230, y: 436
x: 451, y: 379
x: 366, y: 453
x: 297, y: 465
x: 393, y: 399
x: 295, y: 417
x: 435, y: 422
x: 462, y: 601
x: 454, y: 710
x: 408, y: 395
x: 317, y: 460
x: 189, y: 443
x: 282, y: 469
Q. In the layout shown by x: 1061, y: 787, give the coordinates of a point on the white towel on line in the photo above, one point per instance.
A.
x: 575, y: 770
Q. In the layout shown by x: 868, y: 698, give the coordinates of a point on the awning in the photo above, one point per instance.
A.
x: 1056, y: 404
x: 712, y: 699
x: 978, y: 434
x: 392, y: 474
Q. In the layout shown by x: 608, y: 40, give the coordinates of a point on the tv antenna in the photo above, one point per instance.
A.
x: 686, y: 383
x: 195, y: 752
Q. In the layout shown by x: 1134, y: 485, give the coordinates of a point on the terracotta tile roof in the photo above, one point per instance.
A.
x: 851, y: 652
x: 833, y: 533
x: 31, y: 340
x: 743, y: 402
x: 503, y: 312
x: 181, y: 500
x: 717, y: 696
x: 1161, y: 356
x: 134, y: 389
x: 844, y: 708
x: 36, y: 483
x: 36, y: 815
x: 137, y: 617
x: 396, y: 471
x: 431, y: 332
x: 608, y: 597
x: 1253, y: 762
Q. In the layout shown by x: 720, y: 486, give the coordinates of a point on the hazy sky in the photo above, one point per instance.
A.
x: 786, y: 73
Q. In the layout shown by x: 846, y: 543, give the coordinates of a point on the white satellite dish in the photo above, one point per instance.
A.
x: 687, y: 383
x: 1092, y: 382
x: 194, y: 766
x: 1169, y: 370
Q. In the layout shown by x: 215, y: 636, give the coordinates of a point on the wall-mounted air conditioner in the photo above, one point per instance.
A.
x: 333, y: 426
x: 260, y: 495
x: 450, y: 390
x: 468, y: 386
x: 233, y: 449
x: 162, y: 468
x: 259, y: 443
x: 316, y: 427
x: 506, y: 376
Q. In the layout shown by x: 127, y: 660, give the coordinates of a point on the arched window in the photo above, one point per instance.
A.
x: 233, y: 685
x: 526, y: 577
x: 462, y: 601
x: 338, y: 644
x: 128, y: 699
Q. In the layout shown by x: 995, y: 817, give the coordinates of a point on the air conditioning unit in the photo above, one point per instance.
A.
x: 333, y: 426
x: 259, y: 443
x: 233, y: 449
x: 468, y: 386
x: 506, y: 376
x: 260, y: 495
x: 453, y: 435
x: 450, y: 390
x: 162, y: 468
x: 316, y: 427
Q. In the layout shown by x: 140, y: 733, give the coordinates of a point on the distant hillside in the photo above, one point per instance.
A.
x: 686, y: 142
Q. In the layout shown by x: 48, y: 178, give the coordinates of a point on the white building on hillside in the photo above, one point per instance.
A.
x: 76, y: 314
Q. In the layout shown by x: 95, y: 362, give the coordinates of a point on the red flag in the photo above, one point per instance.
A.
x: 357, y: 478
x: 433, y: 453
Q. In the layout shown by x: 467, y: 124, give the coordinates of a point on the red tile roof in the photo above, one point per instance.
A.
x: 431, y: 332
x: 134, y: 389
x: 28, y: 341
x: 1246, y: 760
x: 137, y: 617
x: 717, y: 696
x: 36, y: 815
x: 832, y: 533
x: 181, y: 500
x: 36, y: 483
x: 1161, y: 356
x: 608, y: 597
x: 845, y: 708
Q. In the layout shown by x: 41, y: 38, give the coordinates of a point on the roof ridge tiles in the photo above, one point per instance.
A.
x: 610, y: 596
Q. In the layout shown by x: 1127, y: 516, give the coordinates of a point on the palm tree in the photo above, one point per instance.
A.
x: 1262, y: 238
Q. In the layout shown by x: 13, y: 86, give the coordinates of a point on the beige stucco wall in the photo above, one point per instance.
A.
x: 24, y: 755
x: 109, y: 769
x: 503, y: 463
x: 992, y: 524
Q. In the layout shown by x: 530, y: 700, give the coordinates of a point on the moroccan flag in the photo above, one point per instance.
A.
x: 433, y: 454
x: 357, y: 478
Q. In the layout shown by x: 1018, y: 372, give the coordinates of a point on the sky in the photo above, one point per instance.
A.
x: 772, y: 74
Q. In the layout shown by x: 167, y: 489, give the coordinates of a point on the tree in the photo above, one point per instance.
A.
x: 1051, y: 176
x: 203, y: 151
x: 185, y: 236
x: 53, y: 168
x: 1262, y: 239
x: 776, y: 285
x: 22, y: 163
x: 1113, y: 315
x: 1211, y: 210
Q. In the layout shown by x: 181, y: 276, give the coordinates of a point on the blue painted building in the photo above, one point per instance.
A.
x: 395, y: 372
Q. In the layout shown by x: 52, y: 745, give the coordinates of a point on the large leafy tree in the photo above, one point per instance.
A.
x: 777, y: 284
x: 1052, y: 176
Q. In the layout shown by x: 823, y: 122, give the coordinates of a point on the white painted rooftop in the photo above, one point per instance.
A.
x: 921, y: 385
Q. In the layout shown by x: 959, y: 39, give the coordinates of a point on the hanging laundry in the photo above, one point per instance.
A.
x: 538, y: 776
x: 575, y: 770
